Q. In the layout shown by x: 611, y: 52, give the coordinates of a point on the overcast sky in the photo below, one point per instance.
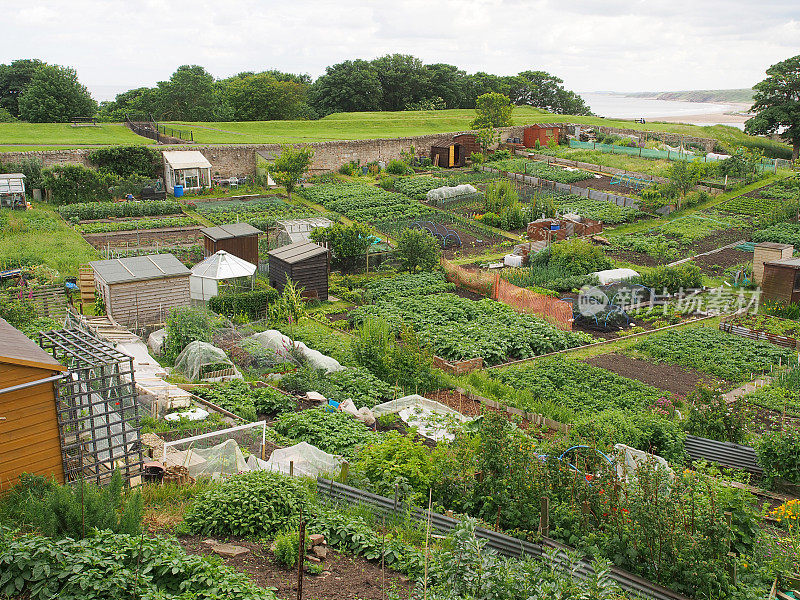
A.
x: 652, y: 45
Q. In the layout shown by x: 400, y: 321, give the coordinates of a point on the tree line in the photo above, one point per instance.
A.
x: 31, y: 90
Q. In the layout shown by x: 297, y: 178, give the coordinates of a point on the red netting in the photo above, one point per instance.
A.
x: 556, y: 311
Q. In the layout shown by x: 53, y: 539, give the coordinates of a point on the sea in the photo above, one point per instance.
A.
x: 615, y: 106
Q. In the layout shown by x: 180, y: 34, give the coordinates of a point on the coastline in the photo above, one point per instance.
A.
x: 736, y: 113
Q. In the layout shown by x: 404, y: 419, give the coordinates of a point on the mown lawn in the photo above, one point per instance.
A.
x: 16, y: 137
x: 40, y: 236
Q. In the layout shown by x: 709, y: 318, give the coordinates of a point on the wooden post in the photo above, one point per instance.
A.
x: 291, y: 468
x: 301, y: 554
x: 544, y: 516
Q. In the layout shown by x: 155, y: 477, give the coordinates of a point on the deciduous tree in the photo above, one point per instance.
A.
x: 418, y: 250
x: 290, y: 166
x: 493, y: 110
x: 54, y: 95
x: 777, y: 104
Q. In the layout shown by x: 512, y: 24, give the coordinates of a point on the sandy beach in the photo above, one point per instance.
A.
x: 734, y: 114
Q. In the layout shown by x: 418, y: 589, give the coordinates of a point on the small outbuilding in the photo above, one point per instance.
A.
x: 239, y: 239
x: 305, y: 263
x: 469, y: 144
x: 221, y: 266
x: 141, y: 290
x: 781, y: 280
x: 446, y: 153
x: 186, y: 168
x: 29, y: 436
x: 542, y: 133
x: 767, y: 252
x: 12, y: 191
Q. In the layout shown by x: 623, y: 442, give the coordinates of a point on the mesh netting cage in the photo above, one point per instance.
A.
x: 96, y: 405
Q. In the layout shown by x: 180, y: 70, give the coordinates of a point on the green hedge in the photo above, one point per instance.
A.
x: 252, y: 303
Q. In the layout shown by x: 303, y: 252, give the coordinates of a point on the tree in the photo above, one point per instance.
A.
x: 684, y: 176
x: 54, y: 95
x: 447, y: 82
x: 14, y: 79
x: 189, y: 95
x: 403, y: 78
x: 486, y: 138
x: 261, y: 97
x: 350, y: 86
x: 290, y: 166
x: 139, y: 104
x: 418, y: 250
x: 347, y: 242
x: 69, y: 184
x: 493, y: 110
x: 777, y: 104
x: 543, y: 90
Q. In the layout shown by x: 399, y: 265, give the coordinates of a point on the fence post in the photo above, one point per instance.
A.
x: 544, y: 516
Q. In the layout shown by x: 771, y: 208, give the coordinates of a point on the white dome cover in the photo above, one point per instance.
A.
x: 223, y: 265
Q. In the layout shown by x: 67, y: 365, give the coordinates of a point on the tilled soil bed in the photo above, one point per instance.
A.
x: 344, y: 578
x: 681, y: 381
x: 145, y: 237
x: 715, y: 264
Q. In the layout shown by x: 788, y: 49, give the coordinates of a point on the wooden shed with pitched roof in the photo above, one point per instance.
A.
x: 29, y: 437
x: 305, y: 263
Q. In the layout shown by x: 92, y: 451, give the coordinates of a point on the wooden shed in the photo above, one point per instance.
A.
x: 305, y: 263
x: 239, y: 239
x: 765, y: 252
x: 469, y: 144
x: 542, y: 133
x: 29, y: 436
x: 781, y: 280
x: 447, y: 153
x: 141, y: 290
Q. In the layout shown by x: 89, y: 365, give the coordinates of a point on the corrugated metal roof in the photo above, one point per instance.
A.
x: 138, y: 268
x: 186, y: 159
x: 18, y: 349
x: 231, y: 230
x: 297, y: 252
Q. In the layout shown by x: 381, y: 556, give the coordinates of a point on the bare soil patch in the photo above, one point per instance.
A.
x: 145, y: 237
x: 345, y: 577
x: 721, y: 238
x: 681, y: 381
x: 715, y: 264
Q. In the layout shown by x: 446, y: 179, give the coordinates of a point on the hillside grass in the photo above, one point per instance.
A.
x: 39, y: 236
x: 341, y: 126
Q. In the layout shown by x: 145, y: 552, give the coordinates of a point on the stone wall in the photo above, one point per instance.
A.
x: 241, y: 159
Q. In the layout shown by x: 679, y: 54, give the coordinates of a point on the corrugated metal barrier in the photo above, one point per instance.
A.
x: 725, y: 453
x: 503, y: 544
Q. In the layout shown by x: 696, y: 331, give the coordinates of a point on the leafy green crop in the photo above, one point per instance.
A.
x: 257, y: 503
x: 248, y: 402
x: 712, y: 351
x: 332, y: 432
x: 103, y: 210
x: 365, y: 203
x: 260, y: 213
x: 541, y: 169
x: 134, y: 224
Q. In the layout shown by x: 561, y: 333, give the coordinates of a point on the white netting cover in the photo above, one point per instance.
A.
x: 201, y: 357
x: 223, y: 459
x: 155, y: 341
x: 283, y: 347
x: 308, y: 461
x: 629, y: 459
x: 432, y: 419
x: 450, y: 192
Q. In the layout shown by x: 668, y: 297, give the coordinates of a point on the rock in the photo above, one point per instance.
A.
x: 229, y: 550
x: 209, y: 542
x: 313, y: 559
x: 317, y: 539
x: 320, y: 551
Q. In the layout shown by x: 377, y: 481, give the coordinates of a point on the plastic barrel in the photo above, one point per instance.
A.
x: 177, y: 191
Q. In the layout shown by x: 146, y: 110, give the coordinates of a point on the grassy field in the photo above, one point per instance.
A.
x: 647, y: 166
x: 39, y: 236
x: 341, y: 126
x: 15, y: 137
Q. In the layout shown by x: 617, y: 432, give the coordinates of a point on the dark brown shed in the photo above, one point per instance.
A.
x: 239, y: 239
x: 781, y: 280
x: 305, y: 263
x: 446, y: 153
x: 29, y: 437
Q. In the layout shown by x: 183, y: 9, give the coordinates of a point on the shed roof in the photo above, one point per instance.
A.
x: 297, y: 252
x: 785, y: 262
x: 546, y: 125
x: 138, y: 268
x: 12, y: 176
x: 186, y: 159
x: 773, y: 245
x: 232, y: 230
x: 18, y: 349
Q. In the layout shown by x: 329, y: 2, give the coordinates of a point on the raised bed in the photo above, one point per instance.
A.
x: 732, y: 326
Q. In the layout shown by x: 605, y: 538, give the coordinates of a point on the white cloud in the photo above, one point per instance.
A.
x: 621, y: 45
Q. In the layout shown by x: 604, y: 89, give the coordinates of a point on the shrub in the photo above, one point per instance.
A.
x: 418, y: 250
x: 115, y: 566
x: 578, y: 257
x: 398, y: 167
x: 258, y: 503
x: 252, y: 303
x: 779, y: 454
x: 185, y: 325
x: 396, y: 459
x: 712, y: 417
x: 69, y: 184
x: 73, y: 511
x: 346, y: 241
x: 126, y: 161
x: 673, y: 279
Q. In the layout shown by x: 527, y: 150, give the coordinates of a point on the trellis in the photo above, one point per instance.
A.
x: 98, y: 416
